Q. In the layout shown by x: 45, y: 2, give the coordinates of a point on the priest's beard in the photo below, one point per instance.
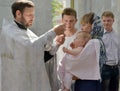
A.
x: 25, y: 22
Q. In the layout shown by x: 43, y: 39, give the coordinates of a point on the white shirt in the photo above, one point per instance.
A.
x: 66, y: 44
x: 110, y: 40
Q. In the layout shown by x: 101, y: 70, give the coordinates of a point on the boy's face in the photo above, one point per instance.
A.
x: 107, y: 23
x: 69, y: 21
x: 87, y: 27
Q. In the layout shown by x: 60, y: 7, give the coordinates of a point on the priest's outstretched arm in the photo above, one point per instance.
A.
x: 52, y: 49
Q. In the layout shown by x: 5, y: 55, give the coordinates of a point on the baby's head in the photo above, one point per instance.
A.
x: 81, y: 39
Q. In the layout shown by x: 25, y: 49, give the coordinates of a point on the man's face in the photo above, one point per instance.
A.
x: 27, y: 17
x: 107, y: 23
x: 86, y: 27
x: 69, y: 21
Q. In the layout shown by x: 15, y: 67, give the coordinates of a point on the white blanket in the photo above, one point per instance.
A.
x: 86, y: 64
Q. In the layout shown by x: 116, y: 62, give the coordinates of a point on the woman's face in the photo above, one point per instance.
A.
x: 87, y: 27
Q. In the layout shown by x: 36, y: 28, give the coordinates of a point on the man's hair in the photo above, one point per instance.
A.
x: 21, y: 5
x: 108, y: 14
x: 87, y: 18
x: 69, y: 11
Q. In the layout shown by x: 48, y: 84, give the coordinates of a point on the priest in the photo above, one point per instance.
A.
x: 22, y: 52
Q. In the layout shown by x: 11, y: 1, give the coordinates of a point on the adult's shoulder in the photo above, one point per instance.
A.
x: 93, y: 41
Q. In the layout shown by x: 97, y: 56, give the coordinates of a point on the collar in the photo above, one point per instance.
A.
x: 20, y: 25
x: 105, y: 31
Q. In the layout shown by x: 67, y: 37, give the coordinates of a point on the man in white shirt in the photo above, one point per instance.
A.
x: 22, y: 52
x: 110, y: 71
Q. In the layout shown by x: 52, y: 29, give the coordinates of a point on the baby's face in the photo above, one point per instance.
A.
x: 87, y: 27
x: 79, y: 41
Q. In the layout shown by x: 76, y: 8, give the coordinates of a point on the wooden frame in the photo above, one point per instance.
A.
x: 72, y: 3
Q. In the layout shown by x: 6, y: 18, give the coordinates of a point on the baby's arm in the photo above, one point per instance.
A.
x: 74, y: 51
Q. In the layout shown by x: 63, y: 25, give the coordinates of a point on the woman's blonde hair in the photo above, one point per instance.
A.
x: 87, y: 18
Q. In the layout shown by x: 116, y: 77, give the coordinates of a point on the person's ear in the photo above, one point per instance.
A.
x: 76, y: 20
x: 62, y: 20
x: 18, y: 14
x: 113, y: 20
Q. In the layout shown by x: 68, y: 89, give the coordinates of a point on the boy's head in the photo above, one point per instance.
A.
x: 69, y: 18
x: 107, y: 20
x: 86, y: 22
x: 81, y: 39
x: 69, y: 11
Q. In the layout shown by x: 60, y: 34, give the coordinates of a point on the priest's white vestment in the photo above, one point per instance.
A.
x: 22, y: 59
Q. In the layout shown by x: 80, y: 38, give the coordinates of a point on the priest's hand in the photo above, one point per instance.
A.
x: 60, y: 39
x: 59, y: 29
